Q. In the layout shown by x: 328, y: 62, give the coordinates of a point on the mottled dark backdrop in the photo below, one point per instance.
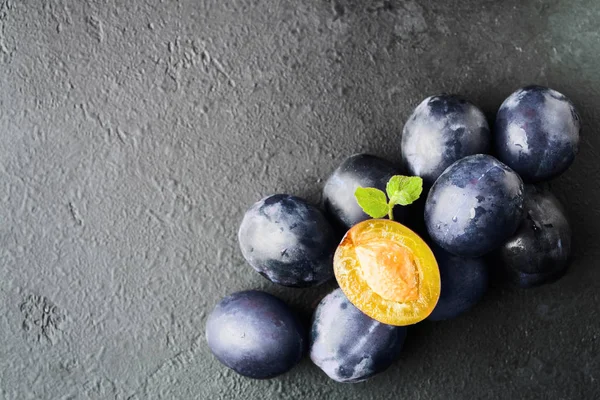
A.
x: 134, y: 134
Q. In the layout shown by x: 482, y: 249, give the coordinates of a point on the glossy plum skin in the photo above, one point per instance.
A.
x: 539, y: 252
x: 288, y: 241
x: 537, y: 133
x: 474, y: 206
x: 255, y: 334
x: 348, y: 345
x: 362, y: 170
x: 441, y: 130
x: 464, y: 282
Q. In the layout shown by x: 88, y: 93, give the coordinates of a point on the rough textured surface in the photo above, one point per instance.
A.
x: 134, y: 135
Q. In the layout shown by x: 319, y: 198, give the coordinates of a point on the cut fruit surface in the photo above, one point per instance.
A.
x: 388, y: 272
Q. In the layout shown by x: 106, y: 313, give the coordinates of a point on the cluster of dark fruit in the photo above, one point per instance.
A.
x: 480, y: 219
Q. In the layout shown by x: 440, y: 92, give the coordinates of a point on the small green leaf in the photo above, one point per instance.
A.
x: 404, y: 190
x: 394, y: 185
x: 372, y: 201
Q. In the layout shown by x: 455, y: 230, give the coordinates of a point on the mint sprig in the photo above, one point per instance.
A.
x: 401, y: 190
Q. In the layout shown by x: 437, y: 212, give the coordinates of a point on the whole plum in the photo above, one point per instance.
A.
x: 474, y: 206
x: 348, y: 345
x: 539, y: 252
x: 537, y: 133
x: 255, y: 334
x: 441, y: 130
x: 288, y: 241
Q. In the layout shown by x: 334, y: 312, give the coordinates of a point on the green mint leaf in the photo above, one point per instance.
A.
x: 372, y: 201
x: 404, y: 190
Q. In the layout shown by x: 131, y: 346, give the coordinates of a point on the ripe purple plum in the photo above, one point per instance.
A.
x: 348, y: 345
x: 288, y: 241
x: 255, y: 334
x: 539, y: 252
x: 537, y: 133
x: 441, y: 130
x: 474, y: 206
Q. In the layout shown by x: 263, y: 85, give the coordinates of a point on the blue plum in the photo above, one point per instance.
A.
x: 362, y: 170
x: 539, y: 252
x: 441, y: 130
x: 348, y: 345
x: 255, y: 334
x: 288, y: 241
x: 474, y: 206
x: 537, y: 133
x: 464, y: 282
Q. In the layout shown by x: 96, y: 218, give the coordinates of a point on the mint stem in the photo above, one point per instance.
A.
x: 391, y: 212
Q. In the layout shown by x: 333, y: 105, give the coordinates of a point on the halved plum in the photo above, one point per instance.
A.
x: 388, y: 272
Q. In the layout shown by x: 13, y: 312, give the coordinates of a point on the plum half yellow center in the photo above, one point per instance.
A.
x: 388, y: 272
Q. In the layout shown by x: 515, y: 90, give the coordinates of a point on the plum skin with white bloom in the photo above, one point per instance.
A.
x: 288, y: 241
x: 537, y: 133
x: 441, y: 130
x: 474, y: 206
x: 348, y: 345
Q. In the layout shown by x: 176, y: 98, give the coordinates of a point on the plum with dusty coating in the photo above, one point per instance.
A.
x: 288, y: 241
x: 348, y: 345
x: 441, y: 130
x: 255, y: 334
x: 537, y: 133
x: 474, y: 206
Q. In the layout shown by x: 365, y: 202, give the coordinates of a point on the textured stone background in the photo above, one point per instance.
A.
x: 134, y: 134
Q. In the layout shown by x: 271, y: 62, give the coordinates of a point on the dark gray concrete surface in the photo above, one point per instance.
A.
x: 134, y: 134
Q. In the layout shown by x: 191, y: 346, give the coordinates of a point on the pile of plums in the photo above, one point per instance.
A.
x: 486, y: 214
